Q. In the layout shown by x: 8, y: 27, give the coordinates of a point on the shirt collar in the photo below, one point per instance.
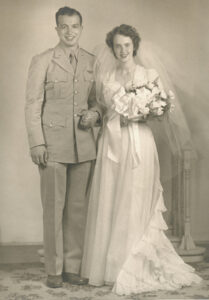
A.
x: 69, y: 51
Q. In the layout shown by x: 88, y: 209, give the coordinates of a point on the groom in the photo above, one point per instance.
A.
x: 60, y: 113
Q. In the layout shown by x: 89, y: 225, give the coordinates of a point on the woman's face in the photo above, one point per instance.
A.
x: 123, y: 48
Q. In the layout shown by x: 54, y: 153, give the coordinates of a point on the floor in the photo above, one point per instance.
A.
x: 27, y: 282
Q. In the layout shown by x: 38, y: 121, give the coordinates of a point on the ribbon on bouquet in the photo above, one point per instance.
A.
x: 114, y: 137
x: 115, y: 140
x: 133, y: 129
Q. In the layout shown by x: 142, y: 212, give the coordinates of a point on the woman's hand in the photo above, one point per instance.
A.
x: 139, y: 119
x: 88, y: 119
x: 123, y: 121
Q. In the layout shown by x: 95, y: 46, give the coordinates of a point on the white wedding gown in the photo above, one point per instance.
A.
x: 125, y: 242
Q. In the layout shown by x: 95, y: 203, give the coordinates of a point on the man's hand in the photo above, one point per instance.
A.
x: 39, y: 155
x: 88, y: 119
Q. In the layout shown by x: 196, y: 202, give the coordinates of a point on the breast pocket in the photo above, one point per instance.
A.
x: 88, y: 76
x: 56, y: 86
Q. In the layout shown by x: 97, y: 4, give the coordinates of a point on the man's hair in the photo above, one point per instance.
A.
x: 66, y: 10
x: 125, y: 30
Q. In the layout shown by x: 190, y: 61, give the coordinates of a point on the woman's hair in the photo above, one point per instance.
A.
x: 125, y: 30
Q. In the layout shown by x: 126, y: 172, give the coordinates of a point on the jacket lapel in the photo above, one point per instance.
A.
x: 62, y: 60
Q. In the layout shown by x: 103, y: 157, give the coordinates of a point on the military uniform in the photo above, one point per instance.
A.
x: 55, y: 96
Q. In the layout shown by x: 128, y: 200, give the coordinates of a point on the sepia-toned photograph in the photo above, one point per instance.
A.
x: 104, y: 152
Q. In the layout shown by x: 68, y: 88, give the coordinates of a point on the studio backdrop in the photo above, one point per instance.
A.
x: 28, y: 28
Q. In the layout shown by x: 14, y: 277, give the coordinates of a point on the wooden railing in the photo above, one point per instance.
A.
x: 181, y: 205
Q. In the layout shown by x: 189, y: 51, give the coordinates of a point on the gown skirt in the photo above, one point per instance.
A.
x: 125, y: 244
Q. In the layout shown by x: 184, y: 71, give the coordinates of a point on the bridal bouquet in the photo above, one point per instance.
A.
x: 142, y: 100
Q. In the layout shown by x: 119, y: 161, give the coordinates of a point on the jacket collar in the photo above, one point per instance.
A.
x: 60, y: 58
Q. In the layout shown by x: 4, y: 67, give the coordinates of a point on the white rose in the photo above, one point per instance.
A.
x: 145, y: 110
x: 171, y: 94
x: 162, y: 103
x: 150, y: 85
x: 155, y: 91
x: 159, y: 112
x: 129, y: 86
x: 155, y: 104
x: 163, y: 95
x: 172, y: 107
x: 140, y: 81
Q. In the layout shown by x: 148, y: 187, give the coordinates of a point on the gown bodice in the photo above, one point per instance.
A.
x: 112, y: 128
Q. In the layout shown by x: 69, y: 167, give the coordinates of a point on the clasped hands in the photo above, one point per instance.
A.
x: 88, y: 118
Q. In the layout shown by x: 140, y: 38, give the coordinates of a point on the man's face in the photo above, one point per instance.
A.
x: 69, y: 30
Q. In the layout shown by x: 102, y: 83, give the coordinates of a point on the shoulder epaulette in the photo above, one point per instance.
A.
x: 46, y: 52
x: 85, y: 51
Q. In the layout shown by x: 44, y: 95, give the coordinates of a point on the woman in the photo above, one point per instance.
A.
x: 125, y: 243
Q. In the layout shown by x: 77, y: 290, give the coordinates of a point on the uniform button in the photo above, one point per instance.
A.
x: 50, y: 124
x: 55, y: 80
x: 76, y: 92
x: 75, y: 115
x: 75, y: 103
x: 76, y: 80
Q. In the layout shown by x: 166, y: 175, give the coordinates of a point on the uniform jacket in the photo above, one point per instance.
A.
x: 54, y: 97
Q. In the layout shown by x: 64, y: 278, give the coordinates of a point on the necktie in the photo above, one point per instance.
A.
x: 73, y: 61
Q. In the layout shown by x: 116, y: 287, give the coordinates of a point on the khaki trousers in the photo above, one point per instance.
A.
x: 64, y: 194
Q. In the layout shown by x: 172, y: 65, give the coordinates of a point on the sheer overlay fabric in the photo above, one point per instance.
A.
x: 125, y: 242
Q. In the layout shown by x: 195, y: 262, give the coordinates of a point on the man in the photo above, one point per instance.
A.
x: 60, y: 113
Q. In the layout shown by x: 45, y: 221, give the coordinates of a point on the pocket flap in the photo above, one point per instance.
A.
x: 54, y: 120
x: 49, y: 86
x: 57, y: 76
x: 88, y: 75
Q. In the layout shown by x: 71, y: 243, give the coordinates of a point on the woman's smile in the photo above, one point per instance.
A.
x: 123, y: 48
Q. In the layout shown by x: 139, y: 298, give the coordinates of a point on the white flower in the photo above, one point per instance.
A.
x: 162, y: 103
x: 155, y: 104
x: 160, y: 111
x: 141, y: 98
x: 145, y: 110
x: 150, y: 85
x: 172, y: 107
x: 163, y: 95
x: 155, y: 91
x: 143, y: 93
x: 140, y: 80
x: 171, y: 95
x: 129, y: 86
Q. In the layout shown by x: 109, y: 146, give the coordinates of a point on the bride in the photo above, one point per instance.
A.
x: 125, y: 244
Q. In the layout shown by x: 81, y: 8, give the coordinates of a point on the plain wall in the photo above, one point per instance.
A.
x: 27, y: 28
